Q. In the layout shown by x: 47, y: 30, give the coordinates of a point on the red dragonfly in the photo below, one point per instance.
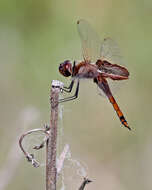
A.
x: 101, y: 63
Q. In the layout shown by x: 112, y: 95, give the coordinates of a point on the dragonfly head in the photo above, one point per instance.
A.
x: 65, y: 68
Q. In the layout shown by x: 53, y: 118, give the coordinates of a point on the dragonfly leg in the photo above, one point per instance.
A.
x: 69, y: 88
x: 71, y: 97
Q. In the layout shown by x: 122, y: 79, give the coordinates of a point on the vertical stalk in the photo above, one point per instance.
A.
x: 51, y: 170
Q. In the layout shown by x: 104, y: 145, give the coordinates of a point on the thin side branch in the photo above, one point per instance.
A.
x: 30, y: 157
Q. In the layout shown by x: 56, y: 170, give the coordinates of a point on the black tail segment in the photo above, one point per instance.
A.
x: 119, y: 112
x: 103, y: 85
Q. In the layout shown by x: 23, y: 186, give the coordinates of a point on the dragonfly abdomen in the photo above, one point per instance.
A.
x: 119, y: 112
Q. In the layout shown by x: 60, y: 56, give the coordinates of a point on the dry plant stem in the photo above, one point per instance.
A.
x: 51, y: 170
x: 85, y: 181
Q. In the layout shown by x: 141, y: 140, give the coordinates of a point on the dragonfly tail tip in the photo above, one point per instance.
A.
x: 129, y: 128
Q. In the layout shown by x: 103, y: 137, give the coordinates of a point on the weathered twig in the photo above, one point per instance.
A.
x: 37, y: 147
x: 85, y: 181
x: 52, y: 167
x: 30, y: 157
x: 51, y: 170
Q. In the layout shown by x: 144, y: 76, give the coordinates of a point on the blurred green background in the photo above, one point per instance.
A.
x: 35, y: 36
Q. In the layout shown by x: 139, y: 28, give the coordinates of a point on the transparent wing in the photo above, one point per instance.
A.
x: 113, y: 85
x: 111, y: 52
x: 90, y: 41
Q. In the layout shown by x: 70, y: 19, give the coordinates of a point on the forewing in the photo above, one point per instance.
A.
x: 90, y: 41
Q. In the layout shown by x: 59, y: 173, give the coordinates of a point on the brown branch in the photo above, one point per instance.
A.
x: 51, y: 170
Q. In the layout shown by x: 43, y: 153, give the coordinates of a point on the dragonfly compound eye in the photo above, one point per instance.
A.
x: 65, y: 68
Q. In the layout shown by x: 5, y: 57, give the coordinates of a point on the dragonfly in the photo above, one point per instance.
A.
x: 101, y: 63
